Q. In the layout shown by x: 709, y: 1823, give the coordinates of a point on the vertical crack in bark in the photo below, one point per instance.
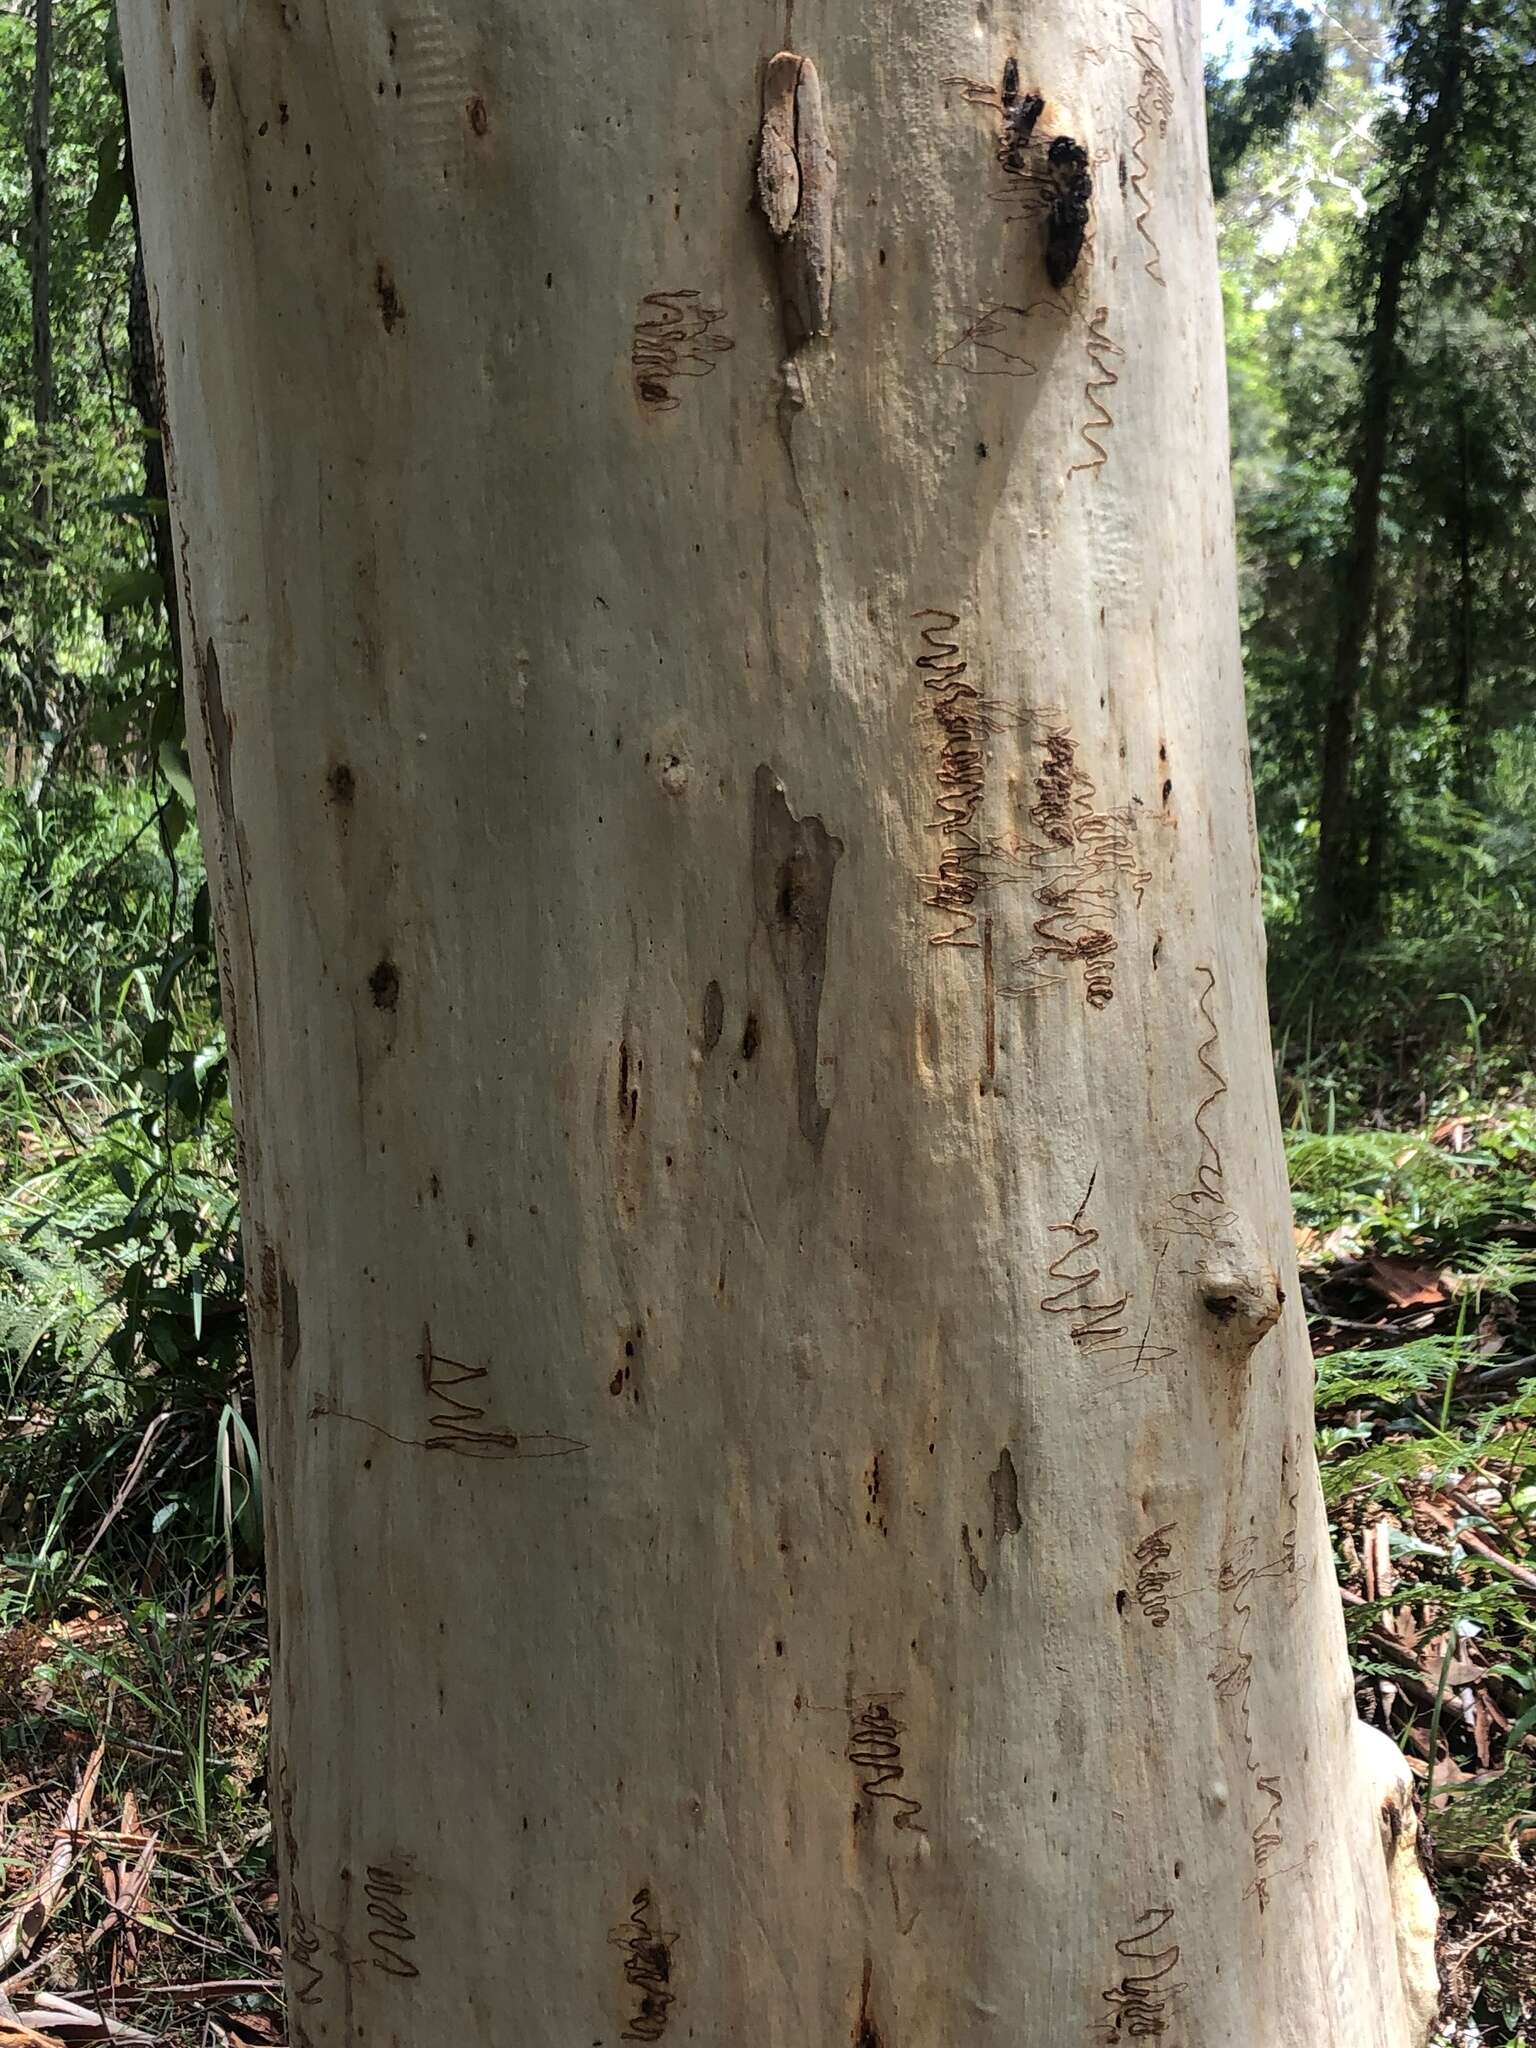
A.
x: 865, y: 2033
x: 793, y: 862
x: 292, y: 1334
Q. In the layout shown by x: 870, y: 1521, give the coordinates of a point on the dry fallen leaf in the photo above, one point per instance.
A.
x: 1405, y: 1285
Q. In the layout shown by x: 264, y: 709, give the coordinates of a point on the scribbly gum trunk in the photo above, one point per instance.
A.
x: 709, y: 591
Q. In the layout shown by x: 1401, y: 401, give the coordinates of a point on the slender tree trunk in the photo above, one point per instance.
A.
x: 1397, y: 235
x: 1466, y: 631
x: 42, y: 261
x: 145, y: 389
x: 41, y: 265
x: 786, y: 1406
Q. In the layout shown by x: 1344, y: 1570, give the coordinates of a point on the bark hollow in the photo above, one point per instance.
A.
x: 791, y: 1508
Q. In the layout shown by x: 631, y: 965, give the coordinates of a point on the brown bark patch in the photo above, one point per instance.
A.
x: 1004, y: 1482
x: 391, y: 305
x: 629, y: 1086
x: 793, y: 864
x: 973, y: 1563
x: 647, y: 1969
x: 865, y: 2033
x: 219, y: 735
x: 291, y: 1331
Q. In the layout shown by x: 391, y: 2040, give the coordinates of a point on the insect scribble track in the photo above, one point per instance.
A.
x: 391, y: 1932
x: 647, y: 1968
x: 1101, y: 346
x: 1138, y: 2003
x: 994, y: 343
x: 303, y: 1947
x: 677, y: 340
x: 1077, y: 1273
x: 1232, y: 1677
x: 1208, y: 1172
x: 874, y: 1750
x: 1267, y: 1835
x: 1153, y: 109
x: 1085, y: 858
x: 456, y: 1425
x: 1152, y: 1579
x: 963, y: 717
x: 954, y: 706
x: 1101, y: 1330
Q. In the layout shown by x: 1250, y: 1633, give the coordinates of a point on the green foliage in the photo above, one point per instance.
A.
x: 1284, y: 76
x: 1401, y: 1191
x: 121, y: 1327
x: 1445, y: 779
x: 78, y: 624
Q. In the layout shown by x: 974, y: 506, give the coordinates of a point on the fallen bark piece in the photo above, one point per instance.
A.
x: 31, y: 1916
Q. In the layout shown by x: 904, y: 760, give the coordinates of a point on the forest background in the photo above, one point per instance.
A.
x: 1373, y: 165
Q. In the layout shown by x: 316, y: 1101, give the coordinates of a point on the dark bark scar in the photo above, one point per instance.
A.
x: 793, y: 864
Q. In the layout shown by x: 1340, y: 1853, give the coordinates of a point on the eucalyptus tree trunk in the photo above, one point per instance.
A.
x: 709, y: 603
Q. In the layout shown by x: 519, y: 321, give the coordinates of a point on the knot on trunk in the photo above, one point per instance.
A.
x: 1237, y: 1283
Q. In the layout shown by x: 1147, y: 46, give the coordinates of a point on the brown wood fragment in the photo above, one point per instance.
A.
x: 796, y: 188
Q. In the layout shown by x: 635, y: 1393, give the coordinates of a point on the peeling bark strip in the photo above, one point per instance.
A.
x: 796, y: 185
x: 793, y: 861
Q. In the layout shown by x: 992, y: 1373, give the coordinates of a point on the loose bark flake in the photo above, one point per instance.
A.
x: 796, y: 186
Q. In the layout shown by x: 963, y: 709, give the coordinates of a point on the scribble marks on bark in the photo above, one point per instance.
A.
x: 647, y: 1969
x: 387, y: 1893
x: 1139, y: 2000
x: 874, y: 1750
x: 793, y: 864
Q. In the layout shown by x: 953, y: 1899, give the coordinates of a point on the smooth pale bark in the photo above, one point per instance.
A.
x: 789, y: 1519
